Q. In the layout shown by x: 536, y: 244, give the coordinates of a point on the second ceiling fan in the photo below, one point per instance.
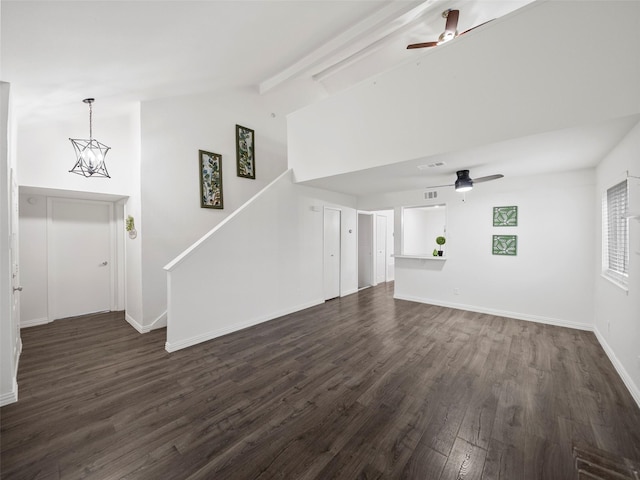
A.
x: 464, y: 183
x: 450, y: 30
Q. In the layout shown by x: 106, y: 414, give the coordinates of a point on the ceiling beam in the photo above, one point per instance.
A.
x: 364, y: 35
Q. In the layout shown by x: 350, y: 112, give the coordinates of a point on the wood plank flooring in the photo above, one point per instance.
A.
x: 363, y: 387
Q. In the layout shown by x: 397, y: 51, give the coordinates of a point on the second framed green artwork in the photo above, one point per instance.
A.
x: 505, y: 216
x: 210, y: 166
x: 505, y: 245
x: 245, y: 152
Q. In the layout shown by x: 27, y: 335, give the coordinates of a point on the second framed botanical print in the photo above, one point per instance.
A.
x: 245, y: 152
x: 505, y: 245
x: 505, y: 216
x: 210, y: 165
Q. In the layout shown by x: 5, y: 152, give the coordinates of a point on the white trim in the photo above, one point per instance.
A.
x: 10, y: 397
x: 132, y: 321
x: 614, y: 280
x: 352, y: 291
x: 159, y: 322
x: 626, y: 378
x: 501, y: 313
x: 624, y: 375
x: 172, y: 347
x: 421, y: 257
x: 33, y: 322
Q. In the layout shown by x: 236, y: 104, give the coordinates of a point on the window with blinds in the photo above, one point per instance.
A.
x: 615, y: 241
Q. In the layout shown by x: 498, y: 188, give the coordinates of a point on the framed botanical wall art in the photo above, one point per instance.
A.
x: 210, y: 165
x: 505, y: 216
x: 245, y: 152
x: 505, y: 245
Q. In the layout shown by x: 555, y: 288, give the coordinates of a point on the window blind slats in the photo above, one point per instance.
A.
x: 616, y: 251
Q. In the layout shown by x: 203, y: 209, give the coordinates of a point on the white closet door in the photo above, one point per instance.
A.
x: 381, y: 249
x: 331, y: 253
x: 80, y: 257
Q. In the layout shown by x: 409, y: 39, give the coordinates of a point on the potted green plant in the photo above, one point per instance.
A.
x: 440, y: 241
x: 130, y: 227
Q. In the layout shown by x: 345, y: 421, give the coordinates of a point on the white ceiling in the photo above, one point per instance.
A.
x: 552, y: 152
x: 55, y: 53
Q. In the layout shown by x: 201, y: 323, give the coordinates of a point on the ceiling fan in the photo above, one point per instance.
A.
x: 450, y: 30
x: 464, y: 183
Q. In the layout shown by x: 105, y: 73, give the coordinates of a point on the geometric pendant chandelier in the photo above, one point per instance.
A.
x: 90, y: 153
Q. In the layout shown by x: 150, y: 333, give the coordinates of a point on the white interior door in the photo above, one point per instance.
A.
x: 381, y: 249
x: 331, y: 253
x: 80, y: 257
x: 13, y: 245
x: 365, y: 250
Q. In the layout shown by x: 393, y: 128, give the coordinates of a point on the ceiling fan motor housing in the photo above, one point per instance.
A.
x: 464, y: 182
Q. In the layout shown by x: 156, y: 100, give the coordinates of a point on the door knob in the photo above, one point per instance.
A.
x: 17, y: 289
x: 104, y: 264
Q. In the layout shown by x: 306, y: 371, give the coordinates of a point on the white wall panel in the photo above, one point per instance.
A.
x: 617, y: 312
x: 264, y: 261
x: 550, y: 279
x: 173, y: 130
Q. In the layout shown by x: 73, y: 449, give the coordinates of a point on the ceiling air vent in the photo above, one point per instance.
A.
x: 431, y: 165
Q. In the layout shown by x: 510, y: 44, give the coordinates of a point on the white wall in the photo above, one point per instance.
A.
x: 45, y: 155
x: 617, y: 312
x: 33, y: 264
x: 264, y: 261
x: 133, y: 247
x: 173, y: 130
x: 506, y: 80
x: 550, y: 280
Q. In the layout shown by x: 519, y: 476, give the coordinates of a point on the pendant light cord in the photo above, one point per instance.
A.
x: 90, y: 121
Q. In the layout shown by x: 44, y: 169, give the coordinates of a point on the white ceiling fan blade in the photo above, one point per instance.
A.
x: 488, y: 178
x: 440, y: 186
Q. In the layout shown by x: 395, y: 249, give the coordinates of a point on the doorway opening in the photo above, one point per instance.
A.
x: 365, y: 250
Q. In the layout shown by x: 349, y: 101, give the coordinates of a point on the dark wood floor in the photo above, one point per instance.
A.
x: 364, y: 387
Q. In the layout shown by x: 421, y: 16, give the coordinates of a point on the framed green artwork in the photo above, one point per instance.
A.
x: 210, y: 166
x: 505, y: 245
x: 245, y: 152
x: 505, y: 216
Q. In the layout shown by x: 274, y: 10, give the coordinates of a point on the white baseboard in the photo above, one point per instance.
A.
x: 502, y: 313
x: 159, y: 322
x: 132, y: 321
x: 10, y: 397
x: 624, y: 375
x: 179, y: 345
x: 349, y: 292
x: 33, y: 322
x: 626, y: 378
